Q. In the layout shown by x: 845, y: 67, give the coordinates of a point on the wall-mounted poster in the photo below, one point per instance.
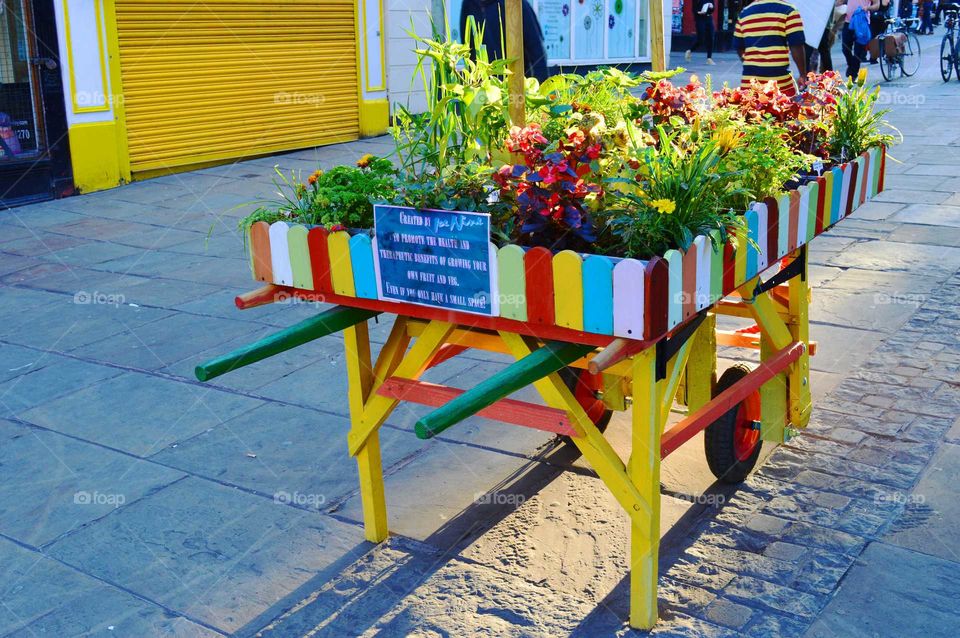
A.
x: 677, y: 15
x: 554, y: 16
x: 589, y: 23
x: 621, y: 28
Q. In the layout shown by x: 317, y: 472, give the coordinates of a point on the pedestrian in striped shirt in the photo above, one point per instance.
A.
x: 768, y: 34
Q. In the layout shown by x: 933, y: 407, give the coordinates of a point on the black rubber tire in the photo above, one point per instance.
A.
x: 910, y: 62
x: 946, y: 58
x: 956, y: 59
x: 570, y: 376
x: 889, y: 66
x: 718, y: 437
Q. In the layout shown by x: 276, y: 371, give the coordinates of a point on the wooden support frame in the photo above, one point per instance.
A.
x: 638, y: 368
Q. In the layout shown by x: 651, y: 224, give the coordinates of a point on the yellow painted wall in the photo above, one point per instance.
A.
x: 93, y: 153
x: 374, y: 117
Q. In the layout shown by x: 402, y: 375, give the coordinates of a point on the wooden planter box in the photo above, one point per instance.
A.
x: 596, y: 297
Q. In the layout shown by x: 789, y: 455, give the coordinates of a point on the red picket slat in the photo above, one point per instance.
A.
x: 772, y: 246
x: 821, y: 202
x: 320, y: 259
x: 538, y: 264
x: 656, y: 292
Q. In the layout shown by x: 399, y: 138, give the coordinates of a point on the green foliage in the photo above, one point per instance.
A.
x: 764, y: 162
x: 466, y: 119
x: 342, y: 196
x: 676, y: 192
x: 857, y: 124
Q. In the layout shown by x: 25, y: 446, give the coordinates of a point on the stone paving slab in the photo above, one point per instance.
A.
x: 80, y: 483
x: 263, y: 451
x: 138, y: 413
x: 53, y: 377
x: 159, y: 343
x: 223, y: 565
x: 930, y: 215
x: 42, y: 597
x: 430, y: 496
x: 893, y: 592
x: 931, y: 509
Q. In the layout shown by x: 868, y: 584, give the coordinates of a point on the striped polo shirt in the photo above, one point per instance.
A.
x: 766, y: 29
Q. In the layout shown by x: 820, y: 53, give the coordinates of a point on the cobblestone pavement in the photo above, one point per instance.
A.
x: 137, y: 502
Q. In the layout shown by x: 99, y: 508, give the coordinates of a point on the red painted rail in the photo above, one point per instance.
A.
x: 720, y: 405
x: 512, y: 411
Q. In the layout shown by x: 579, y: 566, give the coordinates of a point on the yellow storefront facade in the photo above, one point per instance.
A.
x: 153, y: 87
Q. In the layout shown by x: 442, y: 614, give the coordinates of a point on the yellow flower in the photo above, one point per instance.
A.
x: 364, y: 161
x: 726, y: 138
x: 314, y: 177
x: 862, y: 76
x: 620, y: 135
x: 665, y: 206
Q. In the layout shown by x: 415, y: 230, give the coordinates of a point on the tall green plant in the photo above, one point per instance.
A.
x: 678, y: 191
x: 466, y: 119
x: 857, y: 124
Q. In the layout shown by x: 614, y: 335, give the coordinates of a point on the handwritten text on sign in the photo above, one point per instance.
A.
x: 435, y: 258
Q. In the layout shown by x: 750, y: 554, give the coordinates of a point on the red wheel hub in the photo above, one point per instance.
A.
x: 585, y: 393
x: 746, y: 435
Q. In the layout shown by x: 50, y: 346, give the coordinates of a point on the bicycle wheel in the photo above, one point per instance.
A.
x: 956, y: 58
x: 946, y: 58
x: 910, y: 61
x: 889, y: 66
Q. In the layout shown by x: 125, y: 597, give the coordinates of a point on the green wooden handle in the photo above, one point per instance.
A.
x: 326, y: 323
x: 533, y: 367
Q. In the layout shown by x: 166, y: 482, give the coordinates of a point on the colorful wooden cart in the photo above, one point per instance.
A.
x: 589, y: 333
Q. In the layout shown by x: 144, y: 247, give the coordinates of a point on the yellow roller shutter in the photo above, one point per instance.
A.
x: 220, y: 79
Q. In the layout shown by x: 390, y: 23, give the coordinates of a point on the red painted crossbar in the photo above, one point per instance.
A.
x: 529, y: 415
x: 721, y: 404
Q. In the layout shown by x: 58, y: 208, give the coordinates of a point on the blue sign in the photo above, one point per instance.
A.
x: 434, y: 258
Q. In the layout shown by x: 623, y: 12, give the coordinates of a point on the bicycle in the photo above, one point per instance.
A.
x: 902, y: 51
x: 950, y: 46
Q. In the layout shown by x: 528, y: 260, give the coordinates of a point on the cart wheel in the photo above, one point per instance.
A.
x: 584, y: 387
x: 732, y: 442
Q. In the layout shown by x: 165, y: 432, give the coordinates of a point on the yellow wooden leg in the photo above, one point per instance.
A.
x: 701, y: 372
x: 378, y: 408
x: 644, y: 468
x: 672, y: 381
x: 359, y: 380
x: 589, y: 440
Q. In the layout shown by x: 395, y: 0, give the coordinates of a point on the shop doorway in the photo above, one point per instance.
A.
x: 34, y: 150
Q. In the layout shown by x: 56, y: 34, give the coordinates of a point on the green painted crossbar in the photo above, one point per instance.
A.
x: 551, y: 357
x: 326, y: 323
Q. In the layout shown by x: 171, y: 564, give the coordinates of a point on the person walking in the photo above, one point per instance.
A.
x: 878, y: 24
x: 703, y: 15
x: 854, y: 52
x: 767, y: 35
x: 489, y: 16
x: 926, y: 24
